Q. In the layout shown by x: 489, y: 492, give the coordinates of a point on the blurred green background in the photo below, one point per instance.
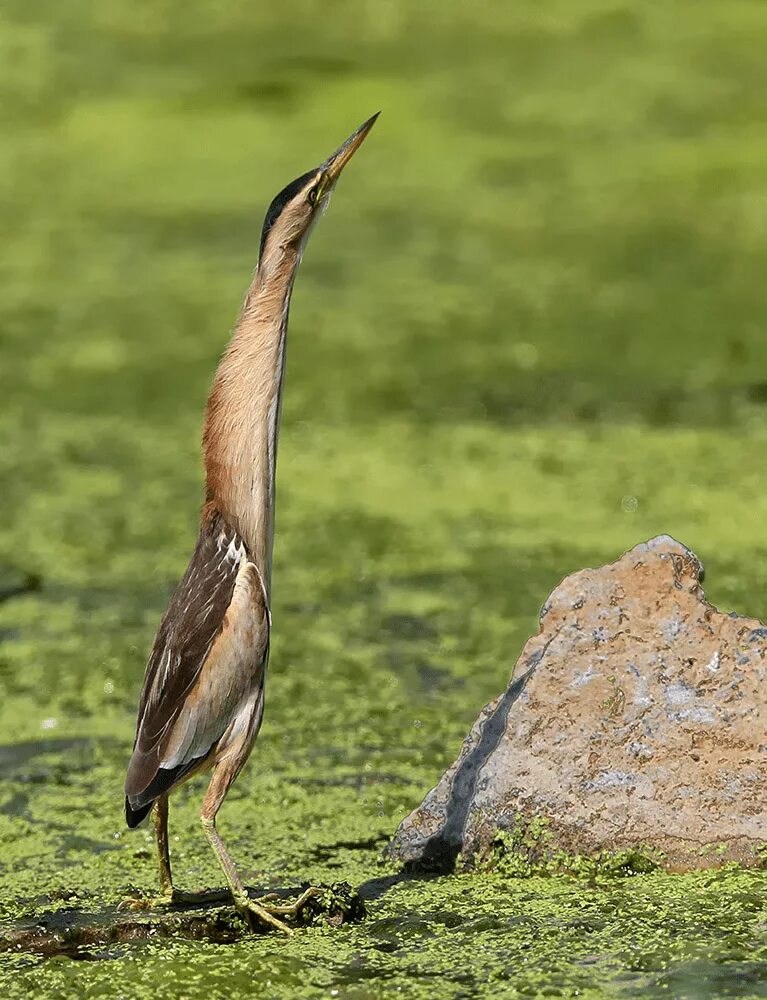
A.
x: 529, y: 333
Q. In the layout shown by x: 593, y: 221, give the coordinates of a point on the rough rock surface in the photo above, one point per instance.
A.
x: 635, y: 717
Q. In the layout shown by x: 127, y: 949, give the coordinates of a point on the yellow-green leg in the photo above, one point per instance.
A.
x: 248, y: 908
x: 168, y: 895
x: 160, y: 820
x: 253, y: 911
x: 165, y: 897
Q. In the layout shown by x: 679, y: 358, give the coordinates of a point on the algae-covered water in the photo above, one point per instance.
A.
x: 529, y: 333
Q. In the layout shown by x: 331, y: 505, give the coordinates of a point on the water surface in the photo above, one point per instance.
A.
x: 528, y: 334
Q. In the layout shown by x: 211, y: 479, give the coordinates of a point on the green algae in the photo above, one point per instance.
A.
x: 528, y: 849
x: 528, y: 334
x: 651, y: 935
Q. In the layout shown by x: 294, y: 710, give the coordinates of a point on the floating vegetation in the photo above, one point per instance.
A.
x: 530, y: 334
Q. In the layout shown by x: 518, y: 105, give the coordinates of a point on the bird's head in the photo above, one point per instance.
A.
x: 290, y: 216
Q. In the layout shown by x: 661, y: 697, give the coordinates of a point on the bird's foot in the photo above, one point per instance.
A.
x: 159, y: 902
x: 290, y: 909
x: 263, y: 911
x: 257, y: 913
x: 257, y: 916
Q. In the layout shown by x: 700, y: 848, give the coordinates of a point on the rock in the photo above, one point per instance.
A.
x: 635, y: 718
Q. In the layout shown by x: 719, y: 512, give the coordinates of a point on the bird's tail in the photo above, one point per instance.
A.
x: 139, y: 802
x: 134, y: 816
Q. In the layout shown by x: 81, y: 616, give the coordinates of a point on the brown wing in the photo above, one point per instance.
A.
x: 207, y: 660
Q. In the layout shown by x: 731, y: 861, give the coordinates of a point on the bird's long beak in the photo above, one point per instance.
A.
x: 334, y: 164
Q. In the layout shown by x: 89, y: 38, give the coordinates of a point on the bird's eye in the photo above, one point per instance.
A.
x: 312, y: 196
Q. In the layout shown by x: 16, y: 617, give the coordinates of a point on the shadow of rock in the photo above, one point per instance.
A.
x: 440, y: 851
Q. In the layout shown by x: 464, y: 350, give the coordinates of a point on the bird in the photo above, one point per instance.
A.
x: 202, y: 700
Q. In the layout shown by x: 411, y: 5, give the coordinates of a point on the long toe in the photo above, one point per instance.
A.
x: 136, y: 903
x: 132, y: 903
x: 289, y: 909
x: 259, y: 917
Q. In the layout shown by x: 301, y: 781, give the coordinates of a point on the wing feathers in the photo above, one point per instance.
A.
x: 208, y: 657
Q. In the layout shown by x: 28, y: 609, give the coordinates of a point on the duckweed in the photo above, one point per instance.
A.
x: 528, y: 334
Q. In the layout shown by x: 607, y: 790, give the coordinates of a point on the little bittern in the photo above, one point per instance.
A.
x: 203, y: 695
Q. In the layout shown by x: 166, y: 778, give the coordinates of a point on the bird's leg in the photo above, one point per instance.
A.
x: 160, y: 820
x: 253, y: 912
x: 167, y: 895
x: 249, y: 908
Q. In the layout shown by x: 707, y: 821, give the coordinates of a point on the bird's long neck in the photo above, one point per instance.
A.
x: 243, y: 413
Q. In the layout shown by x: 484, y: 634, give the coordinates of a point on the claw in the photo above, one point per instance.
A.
x: 130, y: 903
x: 136, y: 903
